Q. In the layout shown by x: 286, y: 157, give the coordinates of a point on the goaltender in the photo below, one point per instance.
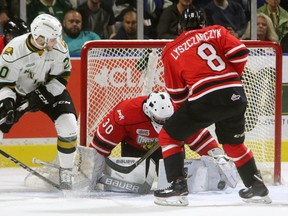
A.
x: 135, y: 123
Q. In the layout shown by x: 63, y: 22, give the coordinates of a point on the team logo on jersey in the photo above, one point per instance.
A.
x: 146, y: 142
x: 120, y: 115
x: 64, y: 43
x: 235, y: 97
x: 8, y: 51
x: 30, y: 74
x: 143, y: 132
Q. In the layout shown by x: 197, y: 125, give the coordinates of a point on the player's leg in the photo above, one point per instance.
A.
x: 171, y: 137
x: 63, y: 114
x: 230, y: 133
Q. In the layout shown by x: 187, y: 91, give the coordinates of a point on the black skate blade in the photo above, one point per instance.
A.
x: 258, y: 199
x: 172, y: 201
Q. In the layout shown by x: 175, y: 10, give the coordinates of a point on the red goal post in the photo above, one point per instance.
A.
x: 114, y: 70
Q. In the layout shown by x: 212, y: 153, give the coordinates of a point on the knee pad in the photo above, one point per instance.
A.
x: 66, y: 126
x: 230, y: 136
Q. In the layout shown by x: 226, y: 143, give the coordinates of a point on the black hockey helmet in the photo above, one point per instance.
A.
x: 15, y: 27
x: 192, y: 18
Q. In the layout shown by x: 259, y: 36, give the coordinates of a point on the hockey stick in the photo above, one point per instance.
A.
x: 44, y: 163
x: 33, y: 172
x: 128, y: 169
x: 20, y: 108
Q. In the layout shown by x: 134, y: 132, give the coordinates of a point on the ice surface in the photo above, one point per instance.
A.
x: 17, y: 199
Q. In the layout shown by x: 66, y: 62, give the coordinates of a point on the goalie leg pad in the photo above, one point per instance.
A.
x: 134, y: 182
x: 226, y: 169
x: 203, y: 174
x: 91, y: 164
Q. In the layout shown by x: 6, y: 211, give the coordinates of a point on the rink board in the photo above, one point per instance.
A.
x: 25, y: 153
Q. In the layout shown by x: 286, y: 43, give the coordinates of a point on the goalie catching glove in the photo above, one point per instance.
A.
x: 39, y: 98
x: 7, y: 109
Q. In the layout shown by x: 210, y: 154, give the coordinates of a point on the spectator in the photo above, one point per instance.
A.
x: 73, y: 34
x: 228, y: 14
x: 56, y: 8
x: 13, y: 28
x: 260, y: 3
x: 3, y: 4
x: 3, y: 19
x: 152, y: 12
x: 265, y: 29
x: 246, y: 5
x: 120, y: 5
x: 284, y: 4
x: 128, y: 30
x: 98, y: 19
x: 278, y: 15
x: 167, y: 27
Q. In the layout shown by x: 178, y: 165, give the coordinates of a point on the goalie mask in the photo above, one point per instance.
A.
x: 158, y: 107
x: 46, y: 26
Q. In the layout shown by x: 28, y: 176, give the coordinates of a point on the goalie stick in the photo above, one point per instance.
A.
x: 44, y: 163
x: 33, y: 172
x: 128, y: 169
x: 20, y: 108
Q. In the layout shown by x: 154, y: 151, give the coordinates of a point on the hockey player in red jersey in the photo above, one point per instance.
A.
x: 135, y: 123
x: 202, y: 70
x: 13, y: 28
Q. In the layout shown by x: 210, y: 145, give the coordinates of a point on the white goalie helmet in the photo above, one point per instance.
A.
x: 158, y: 107
x: 46, y: 26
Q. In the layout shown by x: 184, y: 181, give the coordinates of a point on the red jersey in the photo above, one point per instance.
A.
x: 2, y: 43
x: 127, y: 122
x: 202, y: 61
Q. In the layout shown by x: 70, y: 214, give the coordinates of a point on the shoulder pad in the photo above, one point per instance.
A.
x: 61, y: 46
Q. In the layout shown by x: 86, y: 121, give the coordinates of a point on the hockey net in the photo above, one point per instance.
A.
x: 113, y: 71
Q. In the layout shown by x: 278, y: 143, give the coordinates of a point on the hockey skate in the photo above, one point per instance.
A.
x: 65, y: 178
x: 257, y: 193
x: 175, y: 195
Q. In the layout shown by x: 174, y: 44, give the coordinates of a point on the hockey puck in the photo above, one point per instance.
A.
x: 221, y: 185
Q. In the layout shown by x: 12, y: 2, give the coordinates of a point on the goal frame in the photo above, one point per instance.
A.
x: 160, y: 44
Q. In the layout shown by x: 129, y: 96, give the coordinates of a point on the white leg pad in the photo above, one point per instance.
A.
x: 202, y: 175
x: 135, y: 181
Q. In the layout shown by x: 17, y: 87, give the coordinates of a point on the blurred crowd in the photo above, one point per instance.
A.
x: 85, y: 20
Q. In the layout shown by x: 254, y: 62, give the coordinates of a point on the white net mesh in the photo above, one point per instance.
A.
x: 115, y: 74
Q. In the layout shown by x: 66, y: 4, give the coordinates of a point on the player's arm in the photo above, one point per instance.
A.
x: 175, y: 86
x: 61, y: 70
x: 235, y: 51
x: 56, y: 81
x: 108, y: 134
x: 7, y: 94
